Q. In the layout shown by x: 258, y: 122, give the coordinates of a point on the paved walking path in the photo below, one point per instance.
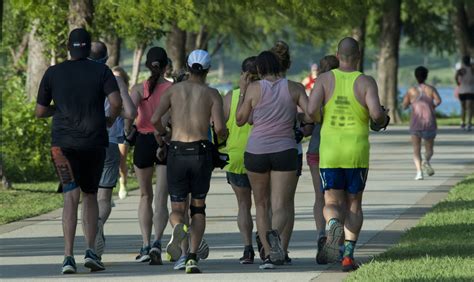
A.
x: 393, y: 201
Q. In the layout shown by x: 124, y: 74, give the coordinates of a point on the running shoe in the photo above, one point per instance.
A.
x: 192, y: 266
x: 348, y: 264
x: 320, y: 259
x: 180, y: 264
x: 419, y: 175
x: 428, y: 169
x: 469, y: 127
x: 267, y: 264
x: 248, y: 257
x: 287, y: 260
x: 155, y: 254
x: 69, y: 265
x: 260, y: 249
x: 203, y: 250
x: 92, y: 261
x: 330, y: 249
x: 123, y: 189
x: 173, y: 249
x: 100, y: 239
x: 143, y: 255
x: 277, y: 254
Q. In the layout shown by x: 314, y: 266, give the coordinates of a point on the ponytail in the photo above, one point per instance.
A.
x: 156, y: 72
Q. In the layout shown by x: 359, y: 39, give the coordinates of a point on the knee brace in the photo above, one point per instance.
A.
x: 196, y: 210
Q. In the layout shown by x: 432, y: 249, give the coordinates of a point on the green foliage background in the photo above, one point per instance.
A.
x: 25, y: 139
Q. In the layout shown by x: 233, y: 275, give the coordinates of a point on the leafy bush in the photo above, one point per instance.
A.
x: 25, y: 140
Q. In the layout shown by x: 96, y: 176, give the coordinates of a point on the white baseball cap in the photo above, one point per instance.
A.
x: 201, y: 58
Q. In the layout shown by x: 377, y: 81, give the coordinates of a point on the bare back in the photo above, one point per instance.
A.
x: 191, y: 110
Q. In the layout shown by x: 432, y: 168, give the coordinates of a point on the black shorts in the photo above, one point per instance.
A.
x: 189, y: 169
x: 78, y: 168
x: 466, y: 96
x: 280, y: 161
x: 144, y: 154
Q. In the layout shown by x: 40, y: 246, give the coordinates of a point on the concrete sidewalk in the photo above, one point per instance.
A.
x: 393, y: 202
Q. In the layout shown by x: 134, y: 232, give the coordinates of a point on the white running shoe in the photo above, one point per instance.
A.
x: 123, y: 189
x: 419, y: 175
x: 122, y: 194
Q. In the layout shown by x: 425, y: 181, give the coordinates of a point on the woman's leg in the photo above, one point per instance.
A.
x: 260, y: 183
x: 145, y: 210
x: 416, y: 141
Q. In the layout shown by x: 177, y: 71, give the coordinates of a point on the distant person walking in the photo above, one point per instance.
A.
x: 123, y: 79
x: 465, y: 77
x: 308, y: 82
x: 423, y: 100
x: 78, y: 87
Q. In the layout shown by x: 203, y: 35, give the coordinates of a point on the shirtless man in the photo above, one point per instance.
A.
x: 348, y: 99
x: 191, y: 104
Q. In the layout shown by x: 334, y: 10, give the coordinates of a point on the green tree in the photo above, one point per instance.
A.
x: 141, y: 22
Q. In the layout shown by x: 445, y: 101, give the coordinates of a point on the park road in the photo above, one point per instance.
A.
x: 393, y: 201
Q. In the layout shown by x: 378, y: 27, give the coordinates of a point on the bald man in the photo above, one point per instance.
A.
x: 348, y: 100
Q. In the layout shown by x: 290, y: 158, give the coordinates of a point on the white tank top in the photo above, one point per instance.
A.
x: 466, y: 81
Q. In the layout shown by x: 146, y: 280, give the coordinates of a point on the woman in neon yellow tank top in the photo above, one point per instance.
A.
x: 235, y: 170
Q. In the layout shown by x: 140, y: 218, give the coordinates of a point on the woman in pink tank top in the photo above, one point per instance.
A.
x: 271, y: 155
x: 423, y: 100
x: 146, y: 97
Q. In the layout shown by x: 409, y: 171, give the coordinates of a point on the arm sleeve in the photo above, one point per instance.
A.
x: 45, y: 96
x: 110, y: 83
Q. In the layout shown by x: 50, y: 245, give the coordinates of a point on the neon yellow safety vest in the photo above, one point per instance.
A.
x: 345, y: 128
x: 237, y: 140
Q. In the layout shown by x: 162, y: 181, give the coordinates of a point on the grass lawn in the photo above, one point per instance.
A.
x: 25, y: 200
x: 439, y: 248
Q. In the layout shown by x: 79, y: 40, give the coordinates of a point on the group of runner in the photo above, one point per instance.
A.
x: 181, y: 130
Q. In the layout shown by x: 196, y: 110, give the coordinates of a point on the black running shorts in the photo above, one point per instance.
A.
x: 466, y: 96
x: 280, y: 161
x: 144, y: 154
x: 78, y: 168
x: 189, y: 169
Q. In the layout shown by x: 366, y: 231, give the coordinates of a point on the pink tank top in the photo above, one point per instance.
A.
x: 147, y: 107
x: 423, y: 112
x: 273, y: 119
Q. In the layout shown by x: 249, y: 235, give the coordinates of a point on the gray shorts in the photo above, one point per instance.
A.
x: 313, y: 146
x: 239, y: 180
x: 424, y: 134
x: 110, y: 173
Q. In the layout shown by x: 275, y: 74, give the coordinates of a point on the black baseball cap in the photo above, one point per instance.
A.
x: 79, y: 43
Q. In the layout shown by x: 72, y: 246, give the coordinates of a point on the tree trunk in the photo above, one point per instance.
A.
x: 37, y: 63
x: 137, y: 59
x: 464, y: 33
x: 202, y: 38
x: 388, y: 58
x: 190, y: 41
x: 358, y: 33
x: 80, y: 14
x: 176, y: 47
x: 113, y: 48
